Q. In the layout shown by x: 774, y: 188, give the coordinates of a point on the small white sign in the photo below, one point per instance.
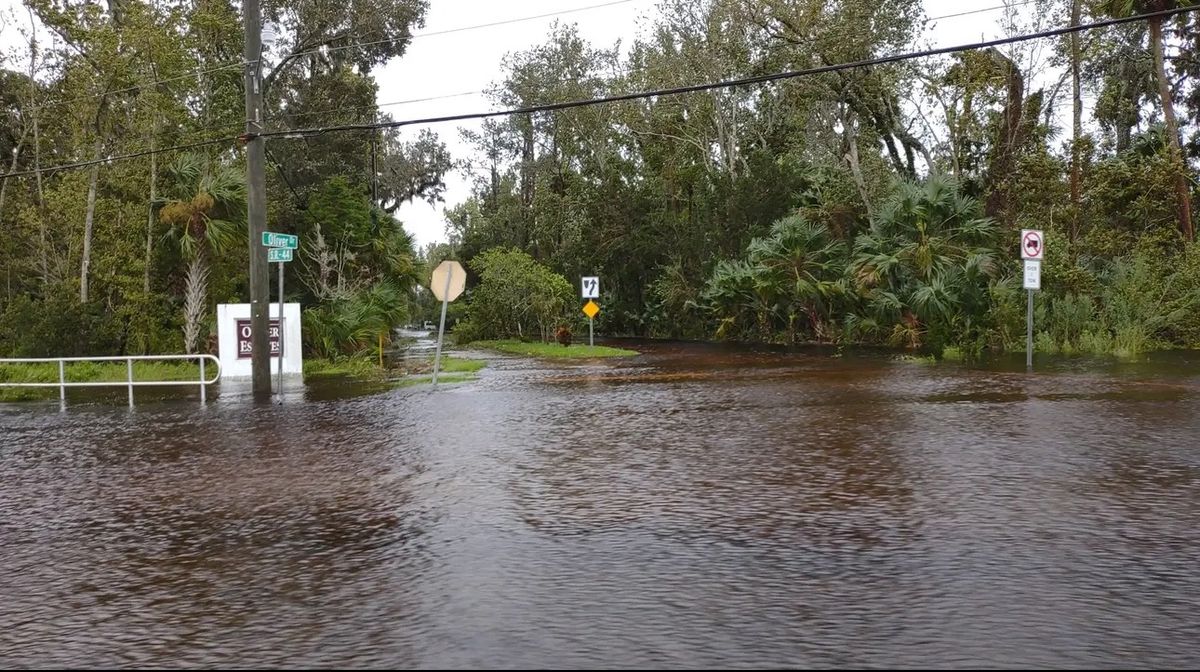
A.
x: 1033, y: 274
x: 1033, y: 245
x: 591, y: 288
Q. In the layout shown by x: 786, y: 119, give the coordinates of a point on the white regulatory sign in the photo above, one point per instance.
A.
x: 591, y: 288
x: 1033, y: 274
x: 1033, y: 245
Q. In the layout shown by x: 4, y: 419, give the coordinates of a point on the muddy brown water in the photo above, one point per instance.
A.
x: 693, y: 506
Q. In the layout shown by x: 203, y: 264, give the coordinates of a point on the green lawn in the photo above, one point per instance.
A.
x: 414, y: 372
x: 359, y: 367
x: 454, y: 370
x: 553, y: 350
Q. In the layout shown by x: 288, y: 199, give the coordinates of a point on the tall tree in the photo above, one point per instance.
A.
x: 1183, y: 196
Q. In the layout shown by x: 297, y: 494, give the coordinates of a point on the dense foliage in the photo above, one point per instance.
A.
x: 131, y: 256
x: 874, y: 205
x: 871, y: 205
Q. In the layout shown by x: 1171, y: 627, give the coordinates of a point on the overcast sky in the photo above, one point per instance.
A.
x: 468, y: 61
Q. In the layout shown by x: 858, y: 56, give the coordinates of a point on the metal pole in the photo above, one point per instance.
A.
x: 437, y: 358
x: 281, y: 339
x: 62, y: 382
x: 591, y: 333
x: 129, y: 368
x: 203, y: 395
x: 1029, y: 332
x: 256, y: 204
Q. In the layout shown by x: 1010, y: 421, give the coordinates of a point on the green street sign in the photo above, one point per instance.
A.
x: 279, y: 254
x: 280, y: 240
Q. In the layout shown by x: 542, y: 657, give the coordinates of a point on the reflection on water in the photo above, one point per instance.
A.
x: 694, y: 506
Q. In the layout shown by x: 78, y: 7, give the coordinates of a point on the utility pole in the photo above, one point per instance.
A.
x: 256, y: 205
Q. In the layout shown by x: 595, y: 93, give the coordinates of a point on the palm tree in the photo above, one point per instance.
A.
x: 797, y: 271
x: 804, y: 265
x: 739, y: 299
x: 925, y: 263
x: 204, y: 205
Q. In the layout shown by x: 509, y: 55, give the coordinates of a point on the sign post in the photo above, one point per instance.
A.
x: 591, y: 309
x: 281, y: 246
x: 447, y: 283
x: 281, y: 329
x: 1033, y: 250
x: 590, y: 289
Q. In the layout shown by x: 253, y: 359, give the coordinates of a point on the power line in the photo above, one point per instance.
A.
x: 300, y: 133
x: 238, y: 64
x: 300, y: 202
x: 582, y: 9
x: 981, y: 11
x: 468, y: 93
x: 374, y: 106
x: 460, y: 29
x: 231, y: 65
x: 142, y: 85
x: 121, y: 157
x: 759, y: 79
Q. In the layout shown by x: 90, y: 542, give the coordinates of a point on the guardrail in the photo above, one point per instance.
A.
x: 129, y: 382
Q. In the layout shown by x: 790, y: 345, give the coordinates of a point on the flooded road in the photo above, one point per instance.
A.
x: 694, y: 506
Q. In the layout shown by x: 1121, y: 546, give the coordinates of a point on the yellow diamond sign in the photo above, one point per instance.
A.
x: 591, y: 309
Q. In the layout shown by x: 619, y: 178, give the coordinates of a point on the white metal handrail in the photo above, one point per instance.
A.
x: 129, y: 382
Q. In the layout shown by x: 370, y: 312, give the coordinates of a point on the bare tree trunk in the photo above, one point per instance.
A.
x: 16, y: 153
x: 88, y: 220
x: 1011, y: 137
x: 43, y: 251
x: 1076, y: 122
x: 852, y: 158
x: 1183, y: 196
x: 527, y: 157
x: 150, y: 209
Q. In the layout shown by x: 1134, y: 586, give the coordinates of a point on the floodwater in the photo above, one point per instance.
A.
x: 694, y: 506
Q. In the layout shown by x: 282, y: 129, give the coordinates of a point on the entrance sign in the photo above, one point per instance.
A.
x: 245, y: 346
x: 235, y: 347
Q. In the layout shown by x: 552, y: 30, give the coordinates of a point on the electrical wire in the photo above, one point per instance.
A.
x: 307, y: 132
x: 731, y: 83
